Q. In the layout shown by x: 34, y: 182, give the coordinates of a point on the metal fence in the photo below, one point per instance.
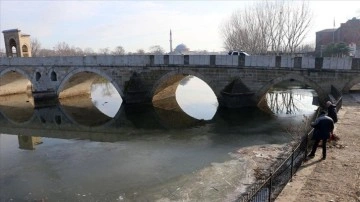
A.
x: 269, y: 188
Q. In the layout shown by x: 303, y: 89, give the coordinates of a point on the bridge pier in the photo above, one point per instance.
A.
x: 45, y: 99
x: 44, y: 95
x: 236, y: 100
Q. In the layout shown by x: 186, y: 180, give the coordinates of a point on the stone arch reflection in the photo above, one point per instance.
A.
x: 185, y: 93
x: 196, y: 98
x: 86, y: 95
x: 16, y: 112
x: 16, y: 102
x: 156, y: 118
x: 288, y: 98
x: 260, y: 96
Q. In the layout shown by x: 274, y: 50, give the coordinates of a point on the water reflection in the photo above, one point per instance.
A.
x: 28, y: 142
x: 294, y: 107
x: 18, y: 108
x: 196, y: 98
x: 82, y: 111
x: 96, y: 109
x: 131, y: 151
x: 193, y: 95
x: 284, y: 102
x: 54, y: 121
x: 105, y: 97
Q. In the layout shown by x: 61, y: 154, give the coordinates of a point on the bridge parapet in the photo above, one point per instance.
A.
x: 337, y: 63
x: 260, y: 61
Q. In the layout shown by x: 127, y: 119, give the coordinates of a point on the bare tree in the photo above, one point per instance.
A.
x: 104, y: 51
x: 89, y: 51
x: 279, y: 26
x: 201, y: 52
x: 77, y: 51
x: 242, y: 32
x: 63, y: 49
x: 156, y: 50
x: 140, y: 52
x: 297, y: 25
x: 119, y: 50
x: 306, y: 49
x: 46, y: 53
x: 35, y: 47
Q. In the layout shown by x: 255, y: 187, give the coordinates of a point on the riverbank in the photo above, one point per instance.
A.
x: 218, y: 182
x: 338, y: 177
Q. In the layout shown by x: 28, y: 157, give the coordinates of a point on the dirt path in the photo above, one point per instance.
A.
x: 338, y: 177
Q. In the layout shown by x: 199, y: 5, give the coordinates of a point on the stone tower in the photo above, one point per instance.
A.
x: 17, y: 44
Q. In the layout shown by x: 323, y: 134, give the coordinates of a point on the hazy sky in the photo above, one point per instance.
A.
x: 141, y: 24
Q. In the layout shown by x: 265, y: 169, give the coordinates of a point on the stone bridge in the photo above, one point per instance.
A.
x: 237, y: 81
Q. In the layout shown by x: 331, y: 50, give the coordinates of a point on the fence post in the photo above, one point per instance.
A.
x: 292, y: 165
x: 306, y: 145
x: 270, y: 187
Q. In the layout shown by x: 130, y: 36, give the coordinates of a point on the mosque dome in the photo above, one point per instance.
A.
x: 181, y: 48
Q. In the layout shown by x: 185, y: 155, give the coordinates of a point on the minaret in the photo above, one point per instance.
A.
x: 171, y: 50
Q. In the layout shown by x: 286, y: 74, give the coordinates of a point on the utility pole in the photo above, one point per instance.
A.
x: 334, y: 32
x: 171, y: 50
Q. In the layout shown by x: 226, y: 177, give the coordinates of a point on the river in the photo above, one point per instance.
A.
x: 136, y: 150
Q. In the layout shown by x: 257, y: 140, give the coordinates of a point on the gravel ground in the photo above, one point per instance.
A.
x: 338, y: 177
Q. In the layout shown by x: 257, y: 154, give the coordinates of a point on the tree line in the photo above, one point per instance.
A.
x: 64, y: 49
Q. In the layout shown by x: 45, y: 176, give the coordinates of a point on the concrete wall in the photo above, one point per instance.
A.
x: 260, y: 61
x: 337, y: 63
x: 308, y: 63
x: 182, y: 60
x: 226, y: 60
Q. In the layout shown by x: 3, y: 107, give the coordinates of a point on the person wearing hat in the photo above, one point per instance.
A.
x: 323, y: 127
x: 331, y: 108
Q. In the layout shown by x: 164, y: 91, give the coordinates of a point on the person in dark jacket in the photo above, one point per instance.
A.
x: 331, y: 108
x: 323, y: 127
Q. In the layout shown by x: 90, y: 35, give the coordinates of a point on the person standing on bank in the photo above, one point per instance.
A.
x: 323, y: 127
x: 331, y: 108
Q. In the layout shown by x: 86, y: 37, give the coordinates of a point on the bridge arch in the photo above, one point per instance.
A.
x: 91, y: 70
x: 16, y: 87
x: 9, y: 75
x: 351, y: 83
x: 18, y: 70
x: 13, y: 47
x: 185, y: 72
x: 166, y: 94
x: 262, y: 92
x: 83, y: 79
